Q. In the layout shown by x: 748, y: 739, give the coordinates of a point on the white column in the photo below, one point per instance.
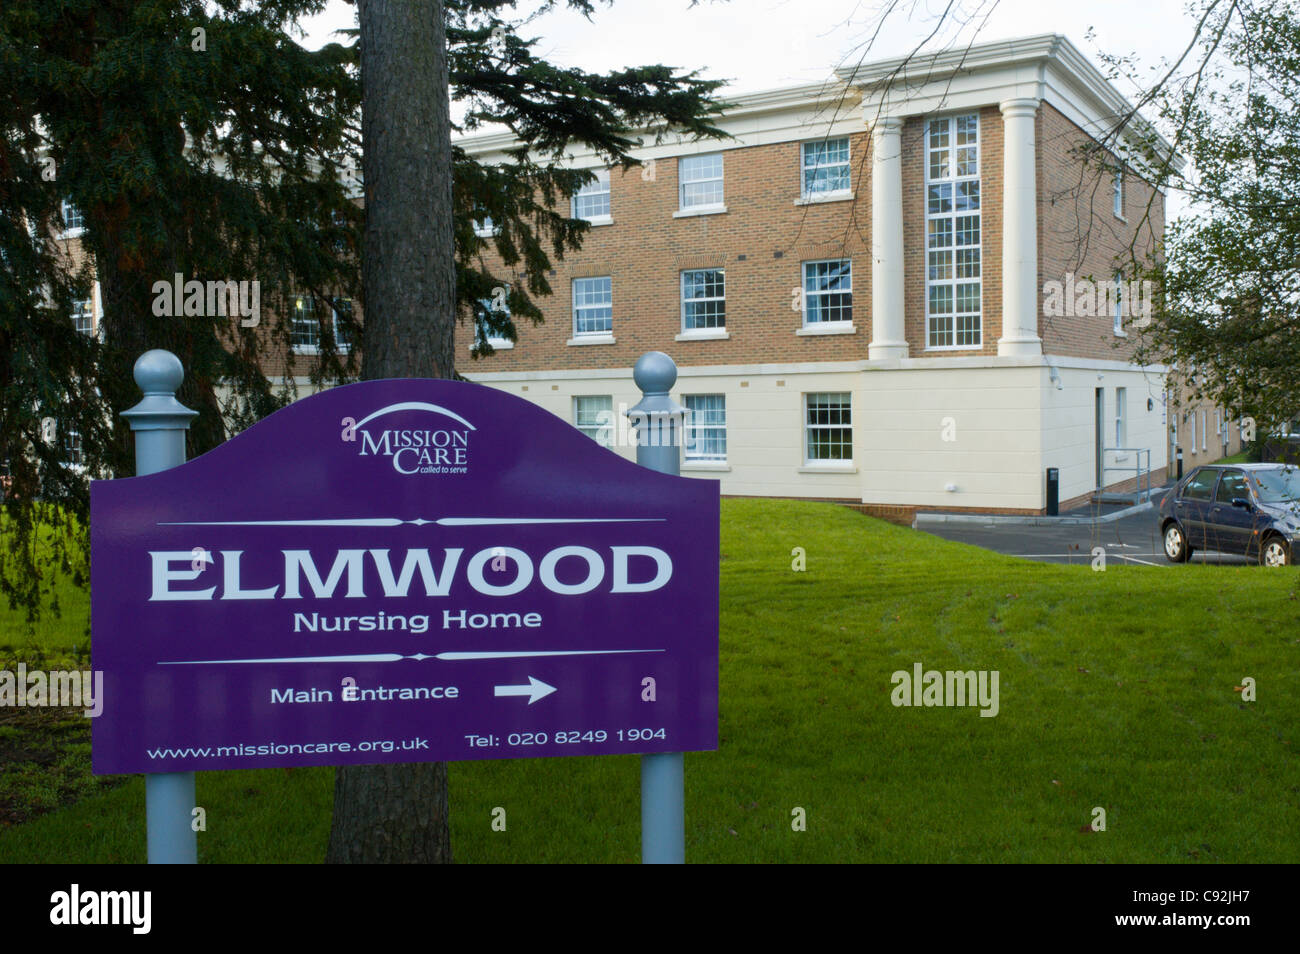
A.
x: 1019, y: 231
x: 887, y: 337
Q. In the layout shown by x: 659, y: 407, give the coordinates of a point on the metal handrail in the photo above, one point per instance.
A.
x: 1136, y: 468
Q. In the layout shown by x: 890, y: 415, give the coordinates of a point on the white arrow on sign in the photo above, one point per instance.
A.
x: 536, y: 689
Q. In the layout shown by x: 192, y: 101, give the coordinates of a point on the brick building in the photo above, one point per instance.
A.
x: 855, y: 289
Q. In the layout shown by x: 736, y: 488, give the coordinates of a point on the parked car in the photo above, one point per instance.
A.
x: 1250, y: 509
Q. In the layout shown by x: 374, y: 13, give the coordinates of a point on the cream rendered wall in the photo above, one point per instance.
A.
x: 765, y: 431
x: 988, y: 425
x: 1068, y: 420
x: 903, y: 410
x: 972, y: 423
x: 765, y: 437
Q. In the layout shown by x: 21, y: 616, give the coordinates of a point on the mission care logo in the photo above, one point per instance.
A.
x: 437, y: 444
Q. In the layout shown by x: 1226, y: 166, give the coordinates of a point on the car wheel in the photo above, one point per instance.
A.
x: 1176, y: 548
x: 1274, y: 552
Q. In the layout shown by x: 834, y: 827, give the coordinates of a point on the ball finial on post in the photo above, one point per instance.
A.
x: 158, y: 372
x: 654, y: 373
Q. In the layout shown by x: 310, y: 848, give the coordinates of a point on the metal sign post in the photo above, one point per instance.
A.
x: 659, y: 421
x: 159, y: 423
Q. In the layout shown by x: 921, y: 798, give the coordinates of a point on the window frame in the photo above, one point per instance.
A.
x: 682, y: 183
x: 1117, y: 193
x: 586, y: 192
x: 607, y: 425
x: 952, y: 216
x: 809, y: 426
x: 574, y: 306
x: 1117, y: 326
x: 813, y: 196
x: 1121, y: 417
x: 84, y: 308
x: 691, y: 453
x: 806, y: 294
x: 498, y: 343
x: 341, y: 346
x: 71, y: 444
x: 684, y: 301
x: 71, y: 231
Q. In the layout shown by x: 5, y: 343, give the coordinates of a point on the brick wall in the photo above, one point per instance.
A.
x: 1078, y: 232
x: 764, y: 236
x: 646, y: 248
x: 760, y: 241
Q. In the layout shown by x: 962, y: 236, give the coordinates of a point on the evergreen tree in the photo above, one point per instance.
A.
x: 201, y: 139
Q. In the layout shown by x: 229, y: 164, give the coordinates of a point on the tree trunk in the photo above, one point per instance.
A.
x: 398, y: 813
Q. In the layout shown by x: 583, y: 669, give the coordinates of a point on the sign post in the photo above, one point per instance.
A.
x: 663, y: 783
x: 407, y: 570
x: 159, y: 423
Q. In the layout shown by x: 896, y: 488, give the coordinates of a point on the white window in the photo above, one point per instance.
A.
x: 591, y: 202
x: 593, y: 414
x: 825, y: 167
x: 593, y: 306
x: 1192, y: 433
x: 701, y: 181
x: 498, y: 304
x: 74, y: 222
x: 308, y: 317
x: 1118, y: 303
x: 706, y: 427
x: 1117, y: 190
x: 1218, y: 422
x: 828, y: 427
x: 72, y: 447
x: 83, y: 316
x: 1205, y: 429
x: 704, y: 299
x: 827, y: 291
x: 485, y: 227
x: 953, y: 274
x: 1121, y: 417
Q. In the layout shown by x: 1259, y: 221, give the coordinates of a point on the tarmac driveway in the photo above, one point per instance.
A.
x: 1132, y: 538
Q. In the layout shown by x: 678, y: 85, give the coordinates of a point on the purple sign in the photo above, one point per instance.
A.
x: 402, y: 571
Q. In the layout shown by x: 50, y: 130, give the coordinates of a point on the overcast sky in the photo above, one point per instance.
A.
x: 763, y: 44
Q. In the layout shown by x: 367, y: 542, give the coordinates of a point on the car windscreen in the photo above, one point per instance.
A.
x: 1277, y: 485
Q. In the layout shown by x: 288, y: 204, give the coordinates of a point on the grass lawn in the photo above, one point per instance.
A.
x: 1241, y: 457
x: 1116, y: 690
x: 63, y: 632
